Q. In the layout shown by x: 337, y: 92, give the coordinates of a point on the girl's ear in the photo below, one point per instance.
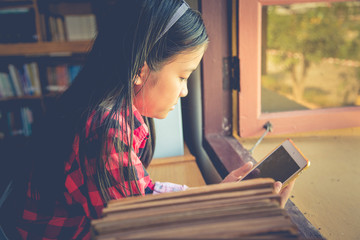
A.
x: 142, y: 75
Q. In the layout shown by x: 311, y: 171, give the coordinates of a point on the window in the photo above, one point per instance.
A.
x: 260, y: 77
x: 299, y: 65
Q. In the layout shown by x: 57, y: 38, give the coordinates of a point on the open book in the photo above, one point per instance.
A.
x: 248, y: 209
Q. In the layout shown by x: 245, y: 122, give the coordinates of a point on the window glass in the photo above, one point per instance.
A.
x: 310, y: 56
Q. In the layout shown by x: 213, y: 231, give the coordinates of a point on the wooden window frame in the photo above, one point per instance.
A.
x: 222, y: 147
x: 251, y: 120
x: 225, y: 152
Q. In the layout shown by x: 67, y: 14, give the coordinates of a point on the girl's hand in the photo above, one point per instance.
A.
x: 285, y: 192
x: 238, y: 173
x: 243, y: 170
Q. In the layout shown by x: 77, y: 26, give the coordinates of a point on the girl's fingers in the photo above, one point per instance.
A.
x: 238, y: 173
x: 277, y: 187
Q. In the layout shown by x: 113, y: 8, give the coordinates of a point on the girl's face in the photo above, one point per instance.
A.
x: 157, y: 92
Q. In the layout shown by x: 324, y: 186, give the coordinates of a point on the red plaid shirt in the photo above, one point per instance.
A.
x: 71, y: 219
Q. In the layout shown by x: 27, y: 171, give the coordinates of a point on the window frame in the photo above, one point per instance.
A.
x: 225, y: 152
x: 251, y: 119
x: 221, y: 145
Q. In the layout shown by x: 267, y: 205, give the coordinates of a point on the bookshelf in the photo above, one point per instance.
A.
x: 42, y: 40
x: 54, y: 55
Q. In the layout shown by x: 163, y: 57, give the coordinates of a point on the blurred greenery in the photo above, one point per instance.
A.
x: 300, y: 36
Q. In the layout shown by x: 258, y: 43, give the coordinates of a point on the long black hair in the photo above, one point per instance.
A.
x: 127, y: 38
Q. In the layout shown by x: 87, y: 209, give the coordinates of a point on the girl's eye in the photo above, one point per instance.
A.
x: 183, y: 79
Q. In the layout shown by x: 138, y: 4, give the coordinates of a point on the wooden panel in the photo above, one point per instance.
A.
x: 226, y: 152
x: 180, y: 170
x: 215, y: 19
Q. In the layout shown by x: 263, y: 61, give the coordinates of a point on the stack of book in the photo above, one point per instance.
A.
x: 248, y: 209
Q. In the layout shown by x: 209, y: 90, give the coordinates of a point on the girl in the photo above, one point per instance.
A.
x: 94, y: 143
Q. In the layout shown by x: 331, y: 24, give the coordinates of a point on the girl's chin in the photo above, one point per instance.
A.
x: 157, y: 116
x: 161, y: 116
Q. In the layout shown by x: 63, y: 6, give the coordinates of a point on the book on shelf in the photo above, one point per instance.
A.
x: 15, y: 79
x: 57, y: 29
x: 53, y: 28
x: 31, y: 72
x: 80, y: 27
x: 61, y: 76
x: 24, y: 80
x: 35, y: 77
x: 73, y: 71
x: 246, y: 210
x: 17, y: 25
x: 27, y: 120
x: 69, y: 20
x: 60, y: 29
x: 43, y: 27
x: 72, y: 27
x: 20, y: 122
x: 6, y: 87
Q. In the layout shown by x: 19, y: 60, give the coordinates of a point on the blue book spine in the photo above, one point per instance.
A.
x: 74, y: 70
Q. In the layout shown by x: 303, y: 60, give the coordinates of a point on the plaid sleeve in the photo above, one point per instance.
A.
x: 87, y: 193
x: 70, y: 219
x: 80, y: 191
x: 164, y: 187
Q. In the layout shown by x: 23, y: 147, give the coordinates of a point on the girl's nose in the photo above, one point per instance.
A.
x: 184, y: 91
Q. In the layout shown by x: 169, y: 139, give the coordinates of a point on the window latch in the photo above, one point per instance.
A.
x: 268, y: 128
x: 231, y: 73
x: 235, y: 73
